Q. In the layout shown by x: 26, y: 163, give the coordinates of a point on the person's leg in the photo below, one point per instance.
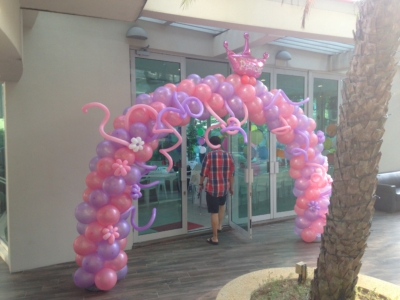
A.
x: 214, y: 226
x: 221, y: 214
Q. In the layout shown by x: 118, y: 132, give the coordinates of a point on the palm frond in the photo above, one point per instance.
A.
x: 186, y: 3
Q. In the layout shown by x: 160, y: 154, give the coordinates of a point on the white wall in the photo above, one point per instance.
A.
x: 69, y: 61
x: 390, y: 160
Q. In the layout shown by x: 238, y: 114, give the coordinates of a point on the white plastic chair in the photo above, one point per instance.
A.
x: 194, y: 182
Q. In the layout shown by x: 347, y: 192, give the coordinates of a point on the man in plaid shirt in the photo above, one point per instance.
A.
x: 218, y: 166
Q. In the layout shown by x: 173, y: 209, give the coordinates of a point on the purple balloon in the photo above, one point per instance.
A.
x: 266, y: 98
x: 301, y: 183
x: 125, y: 215
x: 293, y: 145
x: 306, y: 172
x: 122, y: 273
x: 124, y: 228
x: 121, y: 134
x: 144, y: 99
x: 98, y: 198
x: 318, y: 148
x: 92, y: 263
x: 108, y: 251
x: 194, y: 106
x: 180, y: 96
x: 300, y: 138
x: 302, y: 222
x: 272, y: 113
x: 105, y: 149
x: 273, y: 124
x: 163, y: 95
x: 323, y: 203
x: 133, y: 176
x: 206, y: 114
x: 126, y: 110
x: 236, y: 104
x: 260, y: 88
x: 311, y: 214
x: 138, y: 130
x: 297, y: 192
x: 114, y: 185
x: 226, y: 90
x: 80, y: 227
x: 85, y: 213
x: 83, y: 279
x: 297, y: 230
x: 93, y: 163
x: 303, y: 122
x: 212, y: 82
x: 195, y: 78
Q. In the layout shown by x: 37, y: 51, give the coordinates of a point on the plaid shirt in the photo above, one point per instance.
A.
x: 219, y: 167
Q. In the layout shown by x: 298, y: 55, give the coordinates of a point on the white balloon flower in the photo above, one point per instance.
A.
x: 136, y: 144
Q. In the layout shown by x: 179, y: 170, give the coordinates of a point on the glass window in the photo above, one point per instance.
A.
x: 204, y: 68
x: 3, y: 206
x: 152, y: 73
x: 325, y: 113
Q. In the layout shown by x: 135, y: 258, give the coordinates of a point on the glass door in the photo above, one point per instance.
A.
x: 325, y: 94
x: 169, y: 196
x: 293, y: 83
x: 240, y: 210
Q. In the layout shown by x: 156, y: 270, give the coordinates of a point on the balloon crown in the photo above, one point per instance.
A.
x: 245, y: 64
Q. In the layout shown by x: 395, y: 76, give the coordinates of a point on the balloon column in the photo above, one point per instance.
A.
x: 120, y: 161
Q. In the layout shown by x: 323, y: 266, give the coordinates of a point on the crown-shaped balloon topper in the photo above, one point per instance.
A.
x: 245, y: 64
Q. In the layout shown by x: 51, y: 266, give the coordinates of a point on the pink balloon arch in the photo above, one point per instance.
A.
x: 107, y: 212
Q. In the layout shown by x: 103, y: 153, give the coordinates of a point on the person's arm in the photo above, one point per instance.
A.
x: 231, y: 185
x: 203, y: 173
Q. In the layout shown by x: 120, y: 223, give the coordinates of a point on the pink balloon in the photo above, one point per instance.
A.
x: 93, y: 232
x: 310, y: 153
x: 313, y: 139
x: 104, y: 166
x: 203, y: 92
x: 234, y: 79
x: 145, y: 154
x: 117, y: 263
x: 83, y: 246
x: 171, y: 87
x: 292, y: 121
x: 318, y: 225
x: 311, y: 125
x: 216, y: 101
x: 138, y: 115
x: 254, y: 106
x: 122, y: 202
x: 312, y: 193
x: 220, y: 77
x: 222, y: 112
x: 119, y: 122
x: 279, y: 98
x: 297, y: 162
x: 308, y: 235
x: 125, y: 154
x: 286, y: 138
x: 86, y: 194
x: 299, y: 211
x: 302, y: 202
x: 294, y: 173
x: 187, y: 86
x: 158, y: 106
x: 246, y: 92
x: 286, y: 109
x: 258, y: 118
x: 94, y: 181
x: 78, y: 259
x: 105, y: 279
x: 153, y: 144
x: 122, y: 243
x: 108, y: 215
x: 173, y: 118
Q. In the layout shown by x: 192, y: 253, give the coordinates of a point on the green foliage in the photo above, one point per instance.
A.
x: 191, y: 140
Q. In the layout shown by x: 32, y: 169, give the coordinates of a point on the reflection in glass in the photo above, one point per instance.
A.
x: 3, y: 206
x: 325, y: 113
x: 293, y: 86
x: 261, y: 204
x: 151, y: 74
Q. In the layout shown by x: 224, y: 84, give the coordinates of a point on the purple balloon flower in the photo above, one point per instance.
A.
x: 313, y: 206
x: 321, y: 136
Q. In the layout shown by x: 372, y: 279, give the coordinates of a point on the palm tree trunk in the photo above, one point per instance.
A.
x: 366, y: 94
